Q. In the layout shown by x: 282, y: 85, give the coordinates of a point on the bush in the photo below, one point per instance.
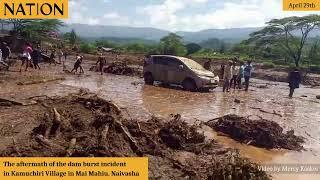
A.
x: 268, y: 65
x: 88, y: 48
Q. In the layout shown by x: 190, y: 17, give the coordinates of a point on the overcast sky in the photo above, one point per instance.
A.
x: 177, y: 15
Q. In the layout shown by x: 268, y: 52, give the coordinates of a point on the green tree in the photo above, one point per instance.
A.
x: 192, y: 48
x: 35, y: 30
x: 72, y: 37
x: 172, y: 45
x: 314, y: 53
x: 283, y: 32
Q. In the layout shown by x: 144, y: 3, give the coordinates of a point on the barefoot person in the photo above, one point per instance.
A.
x: 26, y: 56
x: 294, y: 79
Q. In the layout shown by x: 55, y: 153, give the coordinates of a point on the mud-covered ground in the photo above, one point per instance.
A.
x: 139, y: 102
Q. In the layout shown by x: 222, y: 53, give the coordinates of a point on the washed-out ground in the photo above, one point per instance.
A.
x: 137, y: 101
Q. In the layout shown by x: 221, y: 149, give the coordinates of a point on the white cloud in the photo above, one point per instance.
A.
x: 80, y: 13
x: 240, y: 13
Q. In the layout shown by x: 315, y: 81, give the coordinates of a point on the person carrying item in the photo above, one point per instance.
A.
x: 227, y: 76
x: 247, y: 74
x: 77, y: 65
x: 240, y: 75
x: 36, y: 57
x: 26, y: 56
x: 235, y: 71
x: 294, y: 80
x: 101, y: 63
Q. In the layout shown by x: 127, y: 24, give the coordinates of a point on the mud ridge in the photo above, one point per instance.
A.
x: 261, y: 133
x: 88, y: 126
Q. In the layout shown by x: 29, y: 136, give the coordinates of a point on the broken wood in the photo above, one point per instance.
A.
x: 273, y: 113
x: 70, y: 149
x: 47, y: 143
x: 56, y: 122
x: 104, y: 134
x: 133, y: 142
x: 16, y: 147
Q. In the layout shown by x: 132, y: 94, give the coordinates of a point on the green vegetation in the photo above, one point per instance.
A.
x: 281, y: 33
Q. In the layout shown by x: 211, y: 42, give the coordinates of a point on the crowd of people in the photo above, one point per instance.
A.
x: 234, y: 72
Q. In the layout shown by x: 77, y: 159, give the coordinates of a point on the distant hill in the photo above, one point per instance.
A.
x: 229, y: 35
x: 99, y: 31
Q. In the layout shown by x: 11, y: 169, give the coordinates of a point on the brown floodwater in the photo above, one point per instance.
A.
x: 301, y: 113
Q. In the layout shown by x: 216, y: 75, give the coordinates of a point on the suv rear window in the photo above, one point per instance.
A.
x: 160, y: 60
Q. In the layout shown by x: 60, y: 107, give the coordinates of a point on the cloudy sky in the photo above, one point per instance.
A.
x: 177, y: 15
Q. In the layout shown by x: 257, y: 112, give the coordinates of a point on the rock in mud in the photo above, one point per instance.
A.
x: 88, y: 126
x: 318, y: 97
x: 260, y: 133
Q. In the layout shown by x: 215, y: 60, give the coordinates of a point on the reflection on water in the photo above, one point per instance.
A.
x: 300, y: 114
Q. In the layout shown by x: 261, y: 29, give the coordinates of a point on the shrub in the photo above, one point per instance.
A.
x: 87, y: 48
x: 268, y: 65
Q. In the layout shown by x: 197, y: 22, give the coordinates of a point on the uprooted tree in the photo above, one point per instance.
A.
x: 289, y: 33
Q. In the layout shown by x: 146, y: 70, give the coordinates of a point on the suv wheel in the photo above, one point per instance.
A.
x: 189, y: 85
x: 148, y: 79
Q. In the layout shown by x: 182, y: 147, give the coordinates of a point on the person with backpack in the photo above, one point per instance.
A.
x: 294, y: 80
x: 247, y: 74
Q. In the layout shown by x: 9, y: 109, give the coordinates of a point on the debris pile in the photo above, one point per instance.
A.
x: 261, y: 133
x: 88, y: 126
x: 120, y: 68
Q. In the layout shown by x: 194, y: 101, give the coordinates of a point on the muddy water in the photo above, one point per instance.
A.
x: 301, y: 113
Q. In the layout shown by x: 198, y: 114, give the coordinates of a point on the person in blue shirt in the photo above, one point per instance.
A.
x: 247, y: 74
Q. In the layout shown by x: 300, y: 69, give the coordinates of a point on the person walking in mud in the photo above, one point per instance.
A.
x: 227, y: 77
x: 233, y: 81
x: 247, y: 74
x: 77, y: 65
x: 60, y: 55
x: 101, y: 63
x: 36, y: 57
x: 26, y: 56
x: 52, y: 56
x: 6, y: 52
x: 240, y: 75
x: 294, y: 80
